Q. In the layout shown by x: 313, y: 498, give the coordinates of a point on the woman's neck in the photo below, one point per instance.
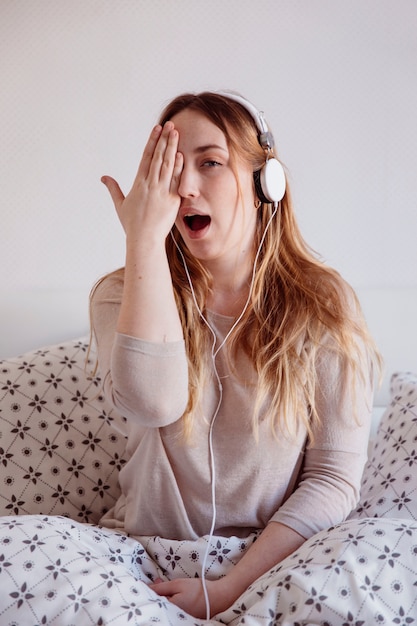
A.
x: 228, y: 301
x: 231, y: 284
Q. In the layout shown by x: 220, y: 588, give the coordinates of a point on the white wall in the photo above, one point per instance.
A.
x: 82, y: 81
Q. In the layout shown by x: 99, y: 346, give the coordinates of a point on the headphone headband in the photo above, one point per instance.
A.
x: 266, y: 138
x: 270, y: 181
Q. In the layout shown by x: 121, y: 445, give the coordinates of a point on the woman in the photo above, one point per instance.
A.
x: 241, y: 363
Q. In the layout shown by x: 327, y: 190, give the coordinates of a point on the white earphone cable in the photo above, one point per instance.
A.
x: 214, y: 353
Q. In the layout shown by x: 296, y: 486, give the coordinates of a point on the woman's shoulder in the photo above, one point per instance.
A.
x: 337, y: 291
x: 109, y: 288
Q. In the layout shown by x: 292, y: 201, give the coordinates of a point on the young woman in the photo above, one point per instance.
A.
x: 241, y: 363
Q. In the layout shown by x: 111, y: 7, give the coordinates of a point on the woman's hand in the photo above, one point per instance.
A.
x: 188, y: 594
x: 274, y: 544
x: 148, y: 309
x: 151, y: 206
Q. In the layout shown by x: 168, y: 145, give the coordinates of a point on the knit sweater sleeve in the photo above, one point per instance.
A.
x: 330, y: 477
x: 146, y: 382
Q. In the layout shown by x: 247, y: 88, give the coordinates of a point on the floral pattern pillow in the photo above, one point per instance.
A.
x: 389, y: 484
x: 59, y: 452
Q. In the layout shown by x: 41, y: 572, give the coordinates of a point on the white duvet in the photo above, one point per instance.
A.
x: 54, y: 571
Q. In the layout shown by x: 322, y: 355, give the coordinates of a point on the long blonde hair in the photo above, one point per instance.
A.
x: 298, y: 308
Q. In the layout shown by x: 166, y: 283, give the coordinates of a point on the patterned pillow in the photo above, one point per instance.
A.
x: 389, y: 484
x: 59, y: 452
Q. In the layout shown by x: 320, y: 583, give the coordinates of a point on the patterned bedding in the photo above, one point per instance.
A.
x: 60, y: 453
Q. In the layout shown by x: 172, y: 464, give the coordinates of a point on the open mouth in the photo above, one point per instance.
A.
x: 197, y: 222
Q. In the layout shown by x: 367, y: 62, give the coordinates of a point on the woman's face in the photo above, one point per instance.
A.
x: 216, y: 223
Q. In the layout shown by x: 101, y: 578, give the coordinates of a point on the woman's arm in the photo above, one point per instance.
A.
x: 148, y: 309
x: 135, y: 317
x: 134, y: 371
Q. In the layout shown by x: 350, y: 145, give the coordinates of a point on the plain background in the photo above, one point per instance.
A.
x: 83, y: 81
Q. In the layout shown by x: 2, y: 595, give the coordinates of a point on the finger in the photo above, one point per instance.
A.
x: 167, y: 588
x: 116, y: 193
x: 164, y: 155
x: 176, y: 175
x: 148, y: 152
x: 169, y: 163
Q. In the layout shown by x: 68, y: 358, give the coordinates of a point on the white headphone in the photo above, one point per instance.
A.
x: 270, y: 179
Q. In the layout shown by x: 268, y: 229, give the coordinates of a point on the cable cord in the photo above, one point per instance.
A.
x: 214, y: 353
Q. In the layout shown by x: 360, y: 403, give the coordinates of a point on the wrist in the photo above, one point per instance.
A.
x: 145, y: 242
x: 223, y: 593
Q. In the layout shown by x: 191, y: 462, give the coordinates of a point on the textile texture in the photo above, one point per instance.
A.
x: 55, y: 572
x: 59, y: 460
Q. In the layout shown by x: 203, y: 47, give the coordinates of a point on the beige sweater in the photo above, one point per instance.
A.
x: 166, y: 483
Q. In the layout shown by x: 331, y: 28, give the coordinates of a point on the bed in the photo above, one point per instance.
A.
x: 60, y: 454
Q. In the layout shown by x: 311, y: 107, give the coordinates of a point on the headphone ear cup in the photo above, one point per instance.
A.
x: 270, y: 181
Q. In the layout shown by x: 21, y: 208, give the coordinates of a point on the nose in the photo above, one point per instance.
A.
x: 188, y: 185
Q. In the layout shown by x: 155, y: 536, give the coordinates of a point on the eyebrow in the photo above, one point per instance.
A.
x: 209, y: 146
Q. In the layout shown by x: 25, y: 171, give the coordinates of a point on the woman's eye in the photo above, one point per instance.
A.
x: 211, y: 163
